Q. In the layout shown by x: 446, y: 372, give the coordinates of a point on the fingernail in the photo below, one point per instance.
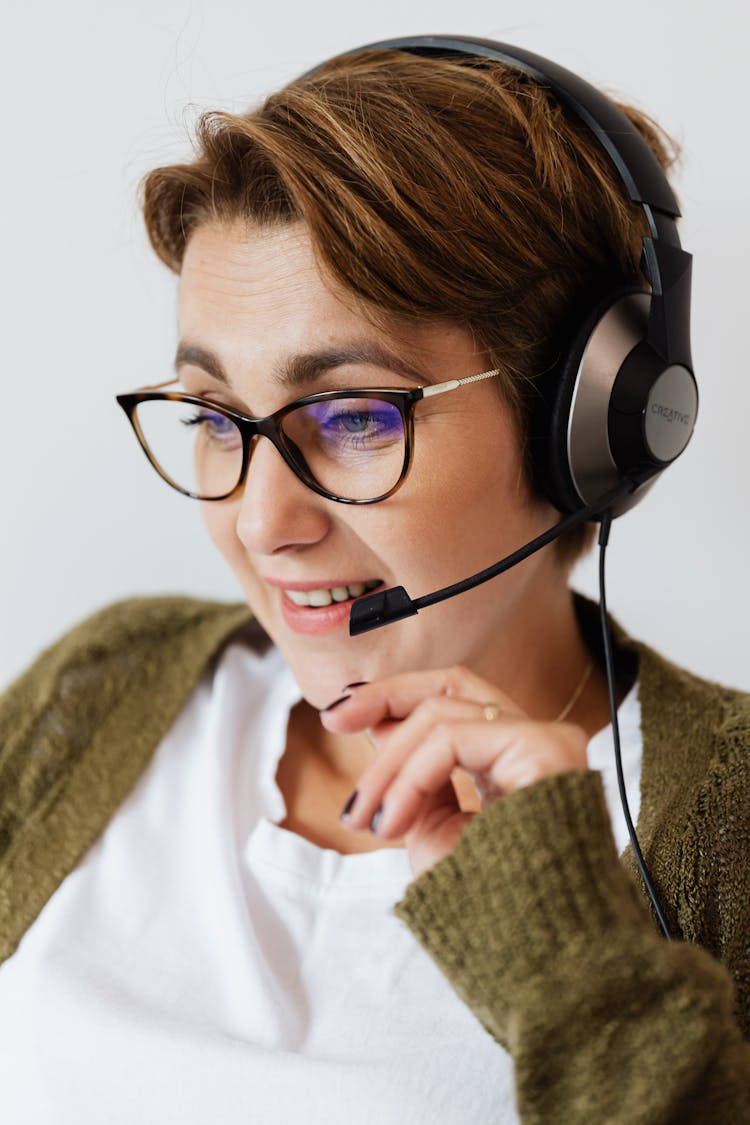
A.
x: 348, y: 806
x: 335, y: 703
x: 358, y: 683
x: 377, y: 816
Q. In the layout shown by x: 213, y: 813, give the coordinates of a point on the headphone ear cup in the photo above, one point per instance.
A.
x: 578, y: 464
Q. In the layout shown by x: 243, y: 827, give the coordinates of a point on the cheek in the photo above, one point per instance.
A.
x: 220, y: 520
x: 476, y: 483
x: 472, y: 506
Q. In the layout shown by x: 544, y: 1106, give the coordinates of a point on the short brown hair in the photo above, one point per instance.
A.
x: 432, y: 189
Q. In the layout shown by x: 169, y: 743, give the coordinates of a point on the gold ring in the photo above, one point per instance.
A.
x: 490, y: 711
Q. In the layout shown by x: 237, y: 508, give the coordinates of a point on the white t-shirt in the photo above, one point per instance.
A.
x: 202, y: 964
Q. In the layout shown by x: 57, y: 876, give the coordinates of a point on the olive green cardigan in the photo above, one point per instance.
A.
x: 538, y: 925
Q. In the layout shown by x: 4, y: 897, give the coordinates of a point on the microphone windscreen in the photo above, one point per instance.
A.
x: 380, y: 609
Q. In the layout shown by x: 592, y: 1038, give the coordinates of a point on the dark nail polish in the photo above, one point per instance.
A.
x: 358, y: 683
x: 335, y: 703
x: 377, y: 816
x: 348, y: 806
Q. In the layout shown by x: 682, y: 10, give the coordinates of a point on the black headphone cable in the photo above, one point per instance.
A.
x: 606, y: 523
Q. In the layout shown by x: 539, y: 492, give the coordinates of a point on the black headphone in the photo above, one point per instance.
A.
x: 621, y: 404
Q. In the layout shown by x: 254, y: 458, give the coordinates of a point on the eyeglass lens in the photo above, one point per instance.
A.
x: 353, y: 448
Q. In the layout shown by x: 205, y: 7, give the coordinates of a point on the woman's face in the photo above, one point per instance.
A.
x: 253, y: 307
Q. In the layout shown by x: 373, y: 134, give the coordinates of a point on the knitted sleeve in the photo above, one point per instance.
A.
x: 543, y: 934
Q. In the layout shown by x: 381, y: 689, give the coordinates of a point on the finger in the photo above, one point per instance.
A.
x: 402, y: 787
x: 396, y: 741
x: 393, y: 737
x: 501, y: 756
x: 397, y: 696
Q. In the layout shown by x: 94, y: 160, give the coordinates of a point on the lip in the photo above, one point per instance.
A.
x: 317, y: 620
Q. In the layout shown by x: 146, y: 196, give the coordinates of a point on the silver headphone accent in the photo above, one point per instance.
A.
x: 592, y: 465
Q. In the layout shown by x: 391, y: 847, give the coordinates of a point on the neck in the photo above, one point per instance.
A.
x: 556, y: 657
x: 342, y: 758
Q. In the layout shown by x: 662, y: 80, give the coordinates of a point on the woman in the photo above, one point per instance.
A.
x: 185, y: 804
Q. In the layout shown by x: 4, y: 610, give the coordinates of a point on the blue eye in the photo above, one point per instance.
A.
x: 217, y: 428
x: 356, y: 422
x: 361, y: 424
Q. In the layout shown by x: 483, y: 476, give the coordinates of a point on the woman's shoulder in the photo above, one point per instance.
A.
x: 676, y: 701
x: 676, y: 704
x: 137, y: 627
x: 695, y: 814
x: 78, y: 727
x: 150, y: 620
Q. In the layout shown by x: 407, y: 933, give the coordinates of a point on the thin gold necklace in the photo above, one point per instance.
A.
x: 576, y: 694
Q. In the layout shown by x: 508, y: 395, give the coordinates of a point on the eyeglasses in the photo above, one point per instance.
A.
x: 352, y: 446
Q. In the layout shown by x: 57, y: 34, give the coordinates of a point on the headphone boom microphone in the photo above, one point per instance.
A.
x: 394, y: 604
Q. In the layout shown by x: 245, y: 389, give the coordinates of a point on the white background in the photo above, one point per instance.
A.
x: 94, y: 94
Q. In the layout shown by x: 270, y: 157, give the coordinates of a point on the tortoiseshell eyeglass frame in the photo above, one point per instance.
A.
x: 271, y: 427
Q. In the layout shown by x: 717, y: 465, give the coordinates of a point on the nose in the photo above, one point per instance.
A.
x: 277, y: 511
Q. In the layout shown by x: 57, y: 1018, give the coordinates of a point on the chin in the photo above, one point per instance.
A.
x: 324, y: 674
x: 322, y: 666
x: 324, y: 680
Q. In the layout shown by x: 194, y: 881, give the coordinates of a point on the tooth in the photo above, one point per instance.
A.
x: 325, y: 596
x: 319, y: 597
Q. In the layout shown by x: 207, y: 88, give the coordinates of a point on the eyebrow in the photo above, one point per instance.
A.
x: 306, y: 367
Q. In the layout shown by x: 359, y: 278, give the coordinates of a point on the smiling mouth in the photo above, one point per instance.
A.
x: 329, y: 595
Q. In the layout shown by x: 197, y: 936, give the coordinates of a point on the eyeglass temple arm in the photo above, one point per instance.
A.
x: 441, y: 388
x: 427, y: 392
x: 158, y: 386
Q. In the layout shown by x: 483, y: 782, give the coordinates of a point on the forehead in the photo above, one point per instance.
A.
x: 236, y: 273
x: 256, y: 297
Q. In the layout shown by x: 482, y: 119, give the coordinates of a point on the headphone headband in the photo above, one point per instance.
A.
x: 627, y: 377
x: 639, y: 169
x: 665, y: 265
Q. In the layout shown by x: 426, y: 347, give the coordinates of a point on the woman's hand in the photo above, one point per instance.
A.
x: 425, y: 725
